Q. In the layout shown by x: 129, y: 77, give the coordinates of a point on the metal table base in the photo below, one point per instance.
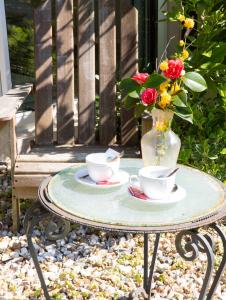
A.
x: 189, y: 243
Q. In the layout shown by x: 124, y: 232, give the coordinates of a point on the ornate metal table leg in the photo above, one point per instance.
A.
x: 222, y: 265
x: 195, y: 243
x: 148, y: 277
x: 33, y: 217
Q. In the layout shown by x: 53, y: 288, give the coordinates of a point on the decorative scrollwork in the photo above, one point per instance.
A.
x: 54, y: 227
x: 222, y: 265
x: 57, y: 228
x: 210, y: 241
x: 189, y: 250
x: 194, y: 243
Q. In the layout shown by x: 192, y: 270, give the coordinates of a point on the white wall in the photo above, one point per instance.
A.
x: 5, y: 74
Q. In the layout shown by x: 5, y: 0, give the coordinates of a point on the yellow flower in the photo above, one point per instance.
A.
x: 175, y: 88
x: 161, y: 126
x: 189, y: 23
x: 185, y: 54
x: 165, y: 99
x: 163, y: 66
x: 181, y: 43
x: 163, y: 86
x: 181, y: 18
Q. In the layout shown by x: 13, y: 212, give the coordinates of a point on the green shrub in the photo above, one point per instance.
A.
x: 203, y: 143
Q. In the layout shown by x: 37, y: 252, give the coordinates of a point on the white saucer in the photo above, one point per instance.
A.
x: 174, y: 197
x: 121, y: 177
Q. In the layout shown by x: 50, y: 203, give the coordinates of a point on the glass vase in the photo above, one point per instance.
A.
x: 160, y: 146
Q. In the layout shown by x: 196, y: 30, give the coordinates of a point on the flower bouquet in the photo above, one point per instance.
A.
x: 163, y: 93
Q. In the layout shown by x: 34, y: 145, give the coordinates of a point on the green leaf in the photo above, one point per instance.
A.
x: 207, y: 53
x: 195, y: 82
x: 139, y: 110
x: 222, y: 90
x: 184, y: 113
x: 129, y: 86
x: 220, y: 50
x: 210, y: 65
x: 150, y: 107
x: 180, y: 99
x: 134, y: 94
x: 154, y: 80
x: 129, y: 102
x: 223, y: 151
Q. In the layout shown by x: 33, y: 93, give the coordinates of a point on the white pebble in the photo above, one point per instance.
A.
x: 24, y: 252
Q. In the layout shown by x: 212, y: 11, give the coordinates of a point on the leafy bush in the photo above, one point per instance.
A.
x: 21, y: 48
x: 203, y: 143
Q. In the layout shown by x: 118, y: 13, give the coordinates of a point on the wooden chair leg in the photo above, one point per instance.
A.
x: 15, y: 211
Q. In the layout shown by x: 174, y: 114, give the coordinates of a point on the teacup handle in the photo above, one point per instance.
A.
x: 134, y: 181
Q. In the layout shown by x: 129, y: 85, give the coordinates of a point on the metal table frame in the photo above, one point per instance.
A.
x: 189, y: 241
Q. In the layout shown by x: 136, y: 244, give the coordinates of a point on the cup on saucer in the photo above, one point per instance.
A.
x: 153, y: 181
x: 100, y: 168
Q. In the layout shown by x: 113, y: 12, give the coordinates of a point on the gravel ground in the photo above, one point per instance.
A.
x: 91, y: 264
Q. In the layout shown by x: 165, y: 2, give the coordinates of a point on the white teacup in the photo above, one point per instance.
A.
x: 153, y: 182
x: 99, y: 168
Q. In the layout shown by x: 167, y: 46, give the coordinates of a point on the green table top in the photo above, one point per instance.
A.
x: 204, y: 196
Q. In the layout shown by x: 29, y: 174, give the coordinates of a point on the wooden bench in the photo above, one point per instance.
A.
x: 93, y: 40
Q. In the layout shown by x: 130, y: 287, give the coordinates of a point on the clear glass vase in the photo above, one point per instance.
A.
x: 160, y: 146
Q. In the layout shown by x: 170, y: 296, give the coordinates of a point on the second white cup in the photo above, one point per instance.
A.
x: 153, y: 181
x: 99, y: 168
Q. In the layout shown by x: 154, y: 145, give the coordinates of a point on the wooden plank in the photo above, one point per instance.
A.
x: 28, y: 180
x: 86, y: 71
x: 28, y: 193
x: 73, y: 154
x: 128, y: 66
x: 107, y: 70
x: 65, y: 71
x: 8, y: 142
x: 44, y: 80
x: 41, y: 168
x: 11, y: 101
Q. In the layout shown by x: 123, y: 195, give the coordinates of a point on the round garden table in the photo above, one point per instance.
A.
x: 63, y: 199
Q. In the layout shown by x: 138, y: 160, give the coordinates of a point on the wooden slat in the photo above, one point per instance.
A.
x: 41, y: 168
x: 65, y: 71
x: 11, y: 101
x: 25, y: 193
x: 73, y: 154
x: 86, y: 71
x: 128, y: 65
x: 28, y: 180
x: 8, y: 142
x: 44, y: 82
x: 107, y: 69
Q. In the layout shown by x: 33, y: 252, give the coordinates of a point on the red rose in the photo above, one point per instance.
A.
x: 175, y: 67
x: 140, y: 77
x: 149, y: 96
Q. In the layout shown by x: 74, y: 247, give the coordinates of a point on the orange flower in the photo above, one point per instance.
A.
x: 163, y: 66
x: 185, y: 54
x: 181, y: 43
x: 189, y: 23
x: 181, y: 18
